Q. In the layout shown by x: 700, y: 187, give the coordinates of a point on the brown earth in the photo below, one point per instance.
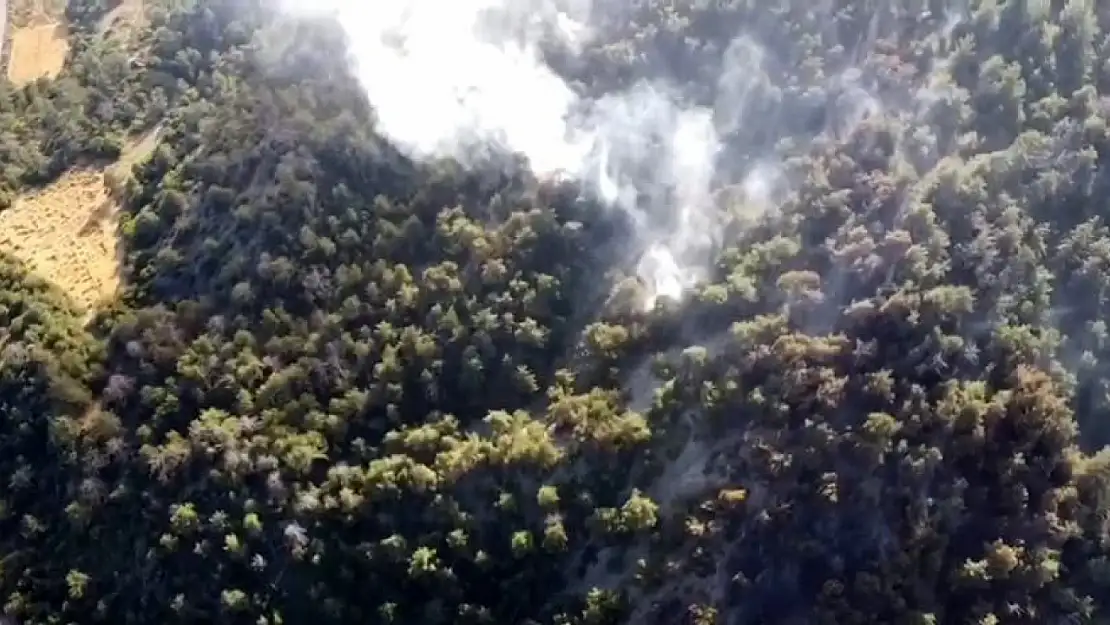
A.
x: 39, y: 40
x: 124, y: 20
x: 67, y: 232
x: 26, y: 13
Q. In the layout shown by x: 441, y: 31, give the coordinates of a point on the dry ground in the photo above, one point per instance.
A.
x: 39, y: 44
x: 36, y: 12
x: 67, y: 232
x: 124, y: 19
x: 39, y: 37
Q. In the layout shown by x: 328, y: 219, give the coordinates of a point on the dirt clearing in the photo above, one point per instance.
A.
x: 39, y: 40
x: 67, y: 232
x: 123, y: 20
x: 37, y: 52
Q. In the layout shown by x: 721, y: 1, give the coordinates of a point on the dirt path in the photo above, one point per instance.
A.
x: 124, y: 19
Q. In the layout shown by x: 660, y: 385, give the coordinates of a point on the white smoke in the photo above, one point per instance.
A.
x: 442, y: 89
x: 453, y: 78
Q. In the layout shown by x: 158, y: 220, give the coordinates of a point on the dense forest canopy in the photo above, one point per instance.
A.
x: 371, y: 368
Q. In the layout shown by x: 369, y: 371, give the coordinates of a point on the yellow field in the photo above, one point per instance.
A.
x: 37, y: 52
x: 67, y: 232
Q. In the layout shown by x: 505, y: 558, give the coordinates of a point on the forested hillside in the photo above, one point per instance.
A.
x: 341, y: 382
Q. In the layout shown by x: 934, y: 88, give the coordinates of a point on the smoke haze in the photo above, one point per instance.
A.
x: 464, y: 79
x: 458, y: 78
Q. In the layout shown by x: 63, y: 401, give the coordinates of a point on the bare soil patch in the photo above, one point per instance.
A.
x: 68, y: 232
x: 123, y: 20
x: 25, y: 13
x: 37, y: 52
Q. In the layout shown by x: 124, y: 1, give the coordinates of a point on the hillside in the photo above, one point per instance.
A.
x: 726, y: 313
x: 37, y: 41
x: 68, y: 231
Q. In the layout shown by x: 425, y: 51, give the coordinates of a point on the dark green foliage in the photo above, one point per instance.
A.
x: 344, y: 387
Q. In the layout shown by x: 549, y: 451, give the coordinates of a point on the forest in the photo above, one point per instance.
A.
x: 341, y: 384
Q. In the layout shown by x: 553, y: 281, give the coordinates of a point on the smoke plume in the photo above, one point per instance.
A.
x: 461, y: 78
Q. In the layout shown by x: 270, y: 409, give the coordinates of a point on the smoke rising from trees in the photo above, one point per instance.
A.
x: 463, y: 78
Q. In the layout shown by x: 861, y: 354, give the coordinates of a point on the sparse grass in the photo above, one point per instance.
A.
x: 37, y: 52
x: 67, y: 232
x: 29, y: 13
x: 39, y: 40
x: 124, y: 20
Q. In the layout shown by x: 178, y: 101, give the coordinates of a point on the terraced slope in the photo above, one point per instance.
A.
x: 67, y: 231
